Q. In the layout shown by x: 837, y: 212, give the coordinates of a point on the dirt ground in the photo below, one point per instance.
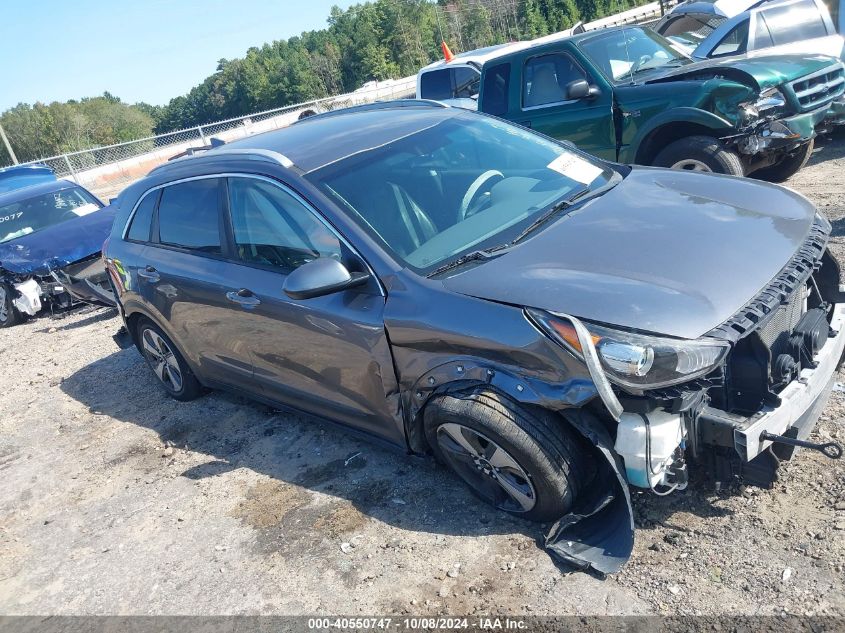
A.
x: 116, y: 500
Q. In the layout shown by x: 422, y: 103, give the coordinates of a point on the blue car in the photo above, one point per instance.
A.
x: 51, y: 236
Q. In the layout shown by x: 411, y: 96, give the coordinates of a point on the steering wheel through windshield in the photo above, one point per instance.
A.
x: 475, y: 196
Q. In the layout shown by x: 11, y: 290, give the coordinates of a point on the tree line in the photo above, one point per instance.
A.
x: 376, y: 40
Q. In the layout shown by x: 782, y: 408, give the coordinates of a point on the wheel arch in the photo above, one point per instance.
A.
x: 672, y: 126
x: 134, y: 313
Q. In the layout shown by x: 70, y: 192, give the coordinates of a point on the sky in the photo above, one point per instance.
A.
x: 138, y: 50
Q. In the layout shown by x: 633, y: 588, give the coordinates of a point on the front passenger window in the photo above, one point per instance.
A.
x: 273, y: 228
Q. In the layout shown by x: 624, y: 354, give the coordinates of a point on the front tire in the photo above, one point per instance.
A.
x: 169, y: 366
x: 788, y: 166
x: 526, y: 462
x: 700, y: 153
x: 9, y: 314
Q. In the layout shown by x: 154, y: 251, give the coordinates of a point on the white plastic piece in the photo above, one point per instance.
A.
x: 30, y: 300
x: 666, y: 432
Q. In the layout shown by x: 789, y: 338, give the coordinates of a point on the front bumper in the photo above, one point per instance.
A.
x: 836, y: 113
x: 802, y: 400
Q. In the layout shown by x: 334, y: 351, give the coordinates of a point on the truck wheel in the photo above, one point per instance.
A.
x: 700, y: 153
x: 9, y: 315
x: 167, y: 363
x: 526, y: 462
x: 787, y: 166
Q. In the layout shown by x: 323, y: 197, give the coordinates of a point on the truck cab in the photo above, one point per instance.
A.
x: 627, y: 94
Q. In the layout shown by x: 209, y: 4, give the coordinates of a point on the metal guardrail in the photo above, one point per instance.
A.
x: 108, y: 169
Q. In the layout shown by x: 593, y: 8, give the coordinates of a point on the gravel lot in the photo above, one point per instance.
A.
x: 115, y: 499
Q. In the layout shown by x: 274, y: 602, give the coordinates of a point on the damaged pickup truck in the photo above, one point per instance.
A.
x: 51, y: 235
x: 553, y: 327
x: 627, y: 94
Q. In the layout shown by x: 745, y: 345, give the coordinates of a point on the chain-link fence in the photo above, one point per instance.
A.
x: 107, y: 170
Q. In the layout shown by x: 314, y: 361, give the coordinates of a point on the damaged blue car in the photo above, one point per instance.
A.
x: 51, y: 235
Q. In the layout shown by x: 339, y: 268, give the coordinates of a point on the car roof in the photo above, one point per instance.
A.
x: 25, y: 174
x: 16, y: 195
x: 324, y: 139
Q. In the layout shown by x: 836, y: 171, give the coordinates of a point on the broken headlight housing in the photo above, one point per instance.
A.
x: 768, y: 102
x: 638, y: 361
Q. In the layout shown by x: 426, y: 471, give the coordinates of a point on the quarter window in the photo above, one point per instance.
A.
x: 139, y: 230
x: 188, y: 215
x: 273, y: 228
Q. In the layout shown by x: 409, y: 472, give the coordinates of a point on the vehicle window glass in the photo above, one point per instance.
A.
x: 467, y: 82
x: 690, y: 29
x: 436, y: 84
x: 762, y: 36
x: 496, y: 86
x: 273, y: 228
x: 546, y: 78
x: 188, y: 215
x: 734, y: 43
x: 468, y: 182
x: 623, y: 54
x: 139, y: 230
x: 795, y: 22
x: 35, y: 213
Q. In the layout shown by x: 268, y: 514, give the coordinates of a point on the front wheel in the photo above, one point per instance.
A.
x: 526, y: 462
x: 700, y: 153
x: 787, y: 166
x: 9, y: 315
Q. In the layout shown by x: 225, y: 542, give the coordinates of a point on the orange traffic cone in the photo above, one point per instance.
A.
x: 447, y: 54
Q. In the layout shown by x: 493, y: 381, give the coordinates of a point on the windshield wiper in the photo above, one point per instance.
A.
x: 549, y: 214
x: 481, y: 254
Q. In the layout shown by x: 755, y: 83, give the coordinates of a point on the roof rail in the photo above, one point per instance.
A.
x: 265, y: 155
x: 377, y: 105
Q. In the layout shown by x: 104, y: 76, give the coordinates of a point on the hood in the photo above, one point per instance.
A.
x: 766, y: 71
x: 665, y: 251
x: 57, y: 245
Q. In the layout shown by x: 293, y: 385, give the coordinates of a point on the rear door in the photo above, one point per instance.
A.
x: 543, y: 103
x: 328, y: 355
x: 185, y: 277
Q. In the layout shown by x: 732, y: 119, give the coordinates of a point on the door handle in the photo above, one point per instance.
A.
x: 149, y: 273
x: 244, y: 298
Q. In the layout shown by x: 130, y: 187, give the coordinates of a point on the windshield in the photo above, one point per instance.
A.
x: 623, y: 53
x: 39, y: 212
x: 690, y: 29
x: 466, y: 183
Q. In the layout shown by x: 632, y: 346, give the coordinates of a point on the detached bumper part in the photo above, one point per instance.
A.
x: 28, y: 300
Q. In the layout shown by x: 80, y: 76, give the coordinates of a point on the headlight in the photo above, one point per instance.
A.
x: 639, y: 361
x: 769, y: 100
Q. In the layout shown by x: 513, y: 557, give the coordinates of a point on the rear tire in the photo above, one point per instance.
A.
x: 788, y: 166
x: 527, y: 462
x: 9, y: 314
x: 700, y: 153
x: 169, y: 366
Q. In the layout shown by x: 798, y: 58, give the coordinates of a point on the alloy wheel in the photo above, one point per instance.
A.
x: 162, y: 359
x: 691, y: 164
x: 488, y: 468
x: 4, y: 308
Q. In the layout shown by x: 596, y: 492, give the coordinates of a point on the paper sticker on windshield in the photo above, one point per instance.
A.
x: 85, y: 209
x: 575, y: 167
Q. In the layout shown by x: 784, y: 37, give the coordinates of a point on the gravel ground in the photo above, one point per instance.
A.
x: 117, y: 500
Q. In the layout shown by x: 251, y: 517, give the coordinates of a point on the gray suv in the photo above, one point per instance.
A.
x: 553, y: 327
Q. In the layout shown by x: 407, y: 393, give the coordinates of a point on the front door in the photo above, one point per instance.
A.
x: 328, y: 355
x: 547, y: 108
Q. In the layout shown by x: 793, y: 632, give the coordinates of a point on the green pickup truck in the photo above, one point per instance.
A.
x: 627, y: 95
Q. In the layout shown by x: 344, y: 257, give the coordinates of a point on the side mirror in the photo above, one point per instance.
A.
x: 580, y: 89
x: 320, y: 277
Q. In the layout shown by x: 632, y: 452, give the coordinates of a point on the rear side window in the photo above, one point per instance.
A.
x: 795, y: 22
x: 273, y: 228
x: 734, y: 43
x: 189, y: 215
x: 139, y: 230
x: 436, y: 84
x: 496, y: 86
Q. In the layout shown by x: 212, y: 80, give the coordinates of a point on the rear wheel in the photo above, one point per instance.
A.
x: 9, y: 315
x: 700, y: 153
x: 526, y: 462
x: 787, y: 166
x: 168, y: 365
